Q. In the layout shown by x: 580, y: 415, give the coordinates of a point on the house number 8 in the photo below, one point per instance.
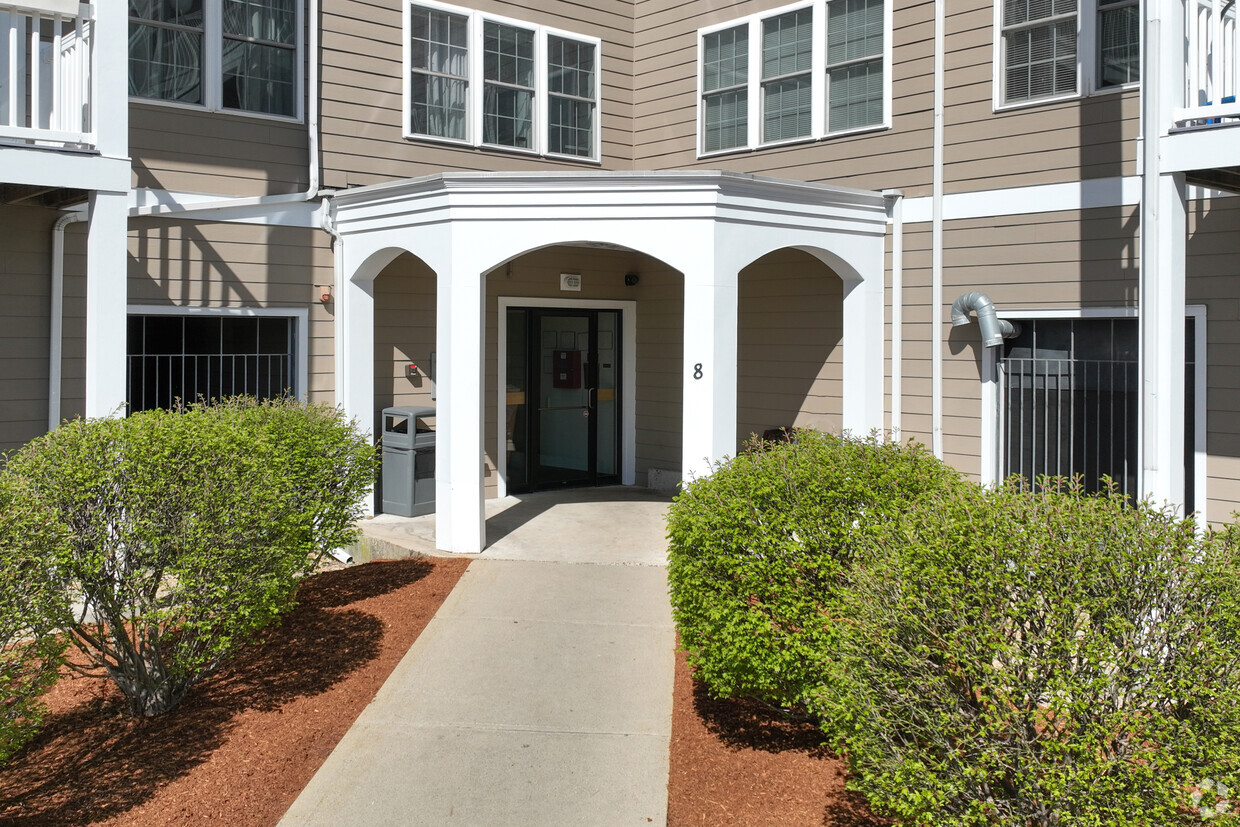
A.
x: 697, y: 371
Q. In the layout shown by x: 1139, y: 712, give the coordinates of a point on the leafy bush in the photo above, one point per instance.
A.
x: 188, y: 531
x: 1040, y: 659
x: 759, y: 547
x: 31, y: 607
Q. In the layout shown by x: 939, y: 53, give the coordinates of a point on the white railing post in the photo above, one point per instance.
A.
x: 53, y: 104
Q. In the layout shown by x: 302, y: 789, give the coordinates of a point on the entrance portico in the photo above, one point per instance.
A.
x: 707, y: 226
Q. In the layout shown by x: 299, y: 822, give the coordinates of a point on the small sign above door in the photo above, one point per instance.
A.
x: 570, y: 282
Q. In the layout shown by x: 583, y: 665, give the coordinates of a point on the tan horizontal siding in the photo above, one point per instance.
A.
x: 25, y: 271
x: 789, y: 345
x: 200, y: 264
x: 665, y: 105
x: 362, y: 120
x: 1212, y: 279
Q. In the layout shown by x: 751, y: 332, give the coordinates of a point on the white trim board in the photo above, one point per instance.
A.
x: 1092, y: 193
x: 300, y: 314
x: 628, y: 388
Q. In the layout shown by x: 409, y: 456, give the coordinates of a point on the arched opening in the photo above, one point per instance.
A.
x: 591, y: 298
x: 790, y: 351
x: 404, y: 335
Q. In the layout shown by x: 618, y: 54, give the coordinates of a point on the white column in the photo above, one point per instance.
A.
x: 107, y: 260
x: 863, y: 353
x: 109, y: 80
x: 355, y: 337
x: 460, y: 519
x: 1162, y: 342
x: 709, y: 365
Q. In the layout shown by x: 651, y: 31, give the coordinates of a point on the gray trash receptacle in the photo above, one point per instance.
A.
x: 408, y: 461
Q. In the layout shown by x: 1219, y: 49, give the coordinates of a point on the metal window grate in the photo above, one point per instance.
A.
x: 175, y: 359
x: 1069, y: 402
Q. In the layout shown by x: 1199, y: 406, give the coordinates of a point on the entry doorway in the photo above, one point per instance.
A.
x: 563, y: 397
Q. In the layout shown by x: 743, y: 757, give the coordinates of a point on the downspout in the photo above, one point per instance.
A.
x: 312, y: 141
x: 57, y: 316
x: 895, y: 200
x: 1147, y: 291
x: 936, y: 238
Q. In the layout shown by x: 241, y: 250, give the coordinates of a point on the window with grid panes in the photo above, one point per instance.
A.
x: 787, y: 75
x: 1119, y: 42
x: 509, y: 105
x: 821, y: 69
x: 725, y: 90
x: 258, y: 58
x: 507, y: 85
x: 1039, y: 49
x: 855, y: 87
x: 439, y: 68
x: 570, y: 97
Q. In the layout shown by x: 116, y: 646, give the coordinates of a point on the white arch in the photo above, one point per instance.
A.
x: 706, y: 225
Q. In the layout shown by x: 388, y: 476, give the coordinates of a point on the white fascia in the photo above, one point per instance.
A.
x: 1091, y: 193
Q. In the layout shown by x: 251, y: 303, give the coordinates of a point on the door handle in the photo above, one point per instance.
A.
x: 591, y: 397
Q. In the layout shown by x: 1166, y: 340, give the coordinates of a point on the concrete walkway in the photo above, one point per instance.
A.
x: 541, y: 692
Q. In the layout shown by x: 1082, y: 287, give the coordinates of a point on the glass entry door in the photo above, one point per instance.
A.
x: 563, y: 413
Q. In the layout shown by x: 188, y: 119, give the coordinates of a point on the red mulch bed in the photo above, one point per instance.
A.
x: 737, y: 762
x: 247, y: 740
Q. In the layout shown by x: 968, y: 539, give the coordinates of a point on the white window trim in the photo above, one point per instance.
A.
x: 301, y: 332
x: 818, y: 70
x: 213, y: 69
x: 1086, y: 62
x: 991, y: 420
x: 473, y: 121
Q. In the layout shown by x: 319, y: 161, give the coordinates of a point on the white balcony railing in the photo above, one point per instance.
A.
x: 1212, y: 72
x: 46, y: 94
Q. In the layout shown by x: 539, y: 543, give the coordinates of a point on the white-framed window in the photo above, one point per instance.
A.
x: 177, y: 355
x: 818, y: 69
x: 484, y: 80
x: 1062, y: 398
x: 222, y: 55
x: 1055, y: 49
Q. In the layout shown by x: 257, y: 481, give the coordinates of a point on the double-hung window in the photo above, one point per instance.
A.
x: 439, y: 72
x: 787, y: 75
x: 483, y: 80
x: 854, y: 63
x: 820, y: 69
x: 1058, y: 48
x: 1119, y: 42
x: 237, y: 55
x: 725, y: 88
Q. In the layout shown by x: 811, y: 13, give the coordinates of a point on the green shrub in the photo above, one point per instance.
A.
x: 31, y: 607
x: 188, y: 531
x: 1039, y: 659
x: 758, y: 548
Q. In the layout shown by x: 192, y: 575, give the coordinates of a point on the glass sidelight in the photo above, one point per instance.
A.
x: 562, y: 411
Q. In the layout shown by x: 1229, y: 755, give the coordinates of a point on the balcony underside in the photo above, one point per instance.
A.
x: 1224, y: 178
x: 38, y: 196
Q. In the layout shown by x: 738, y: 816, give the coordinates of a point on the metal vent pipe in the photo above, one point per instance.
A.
x: 994, y: 330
